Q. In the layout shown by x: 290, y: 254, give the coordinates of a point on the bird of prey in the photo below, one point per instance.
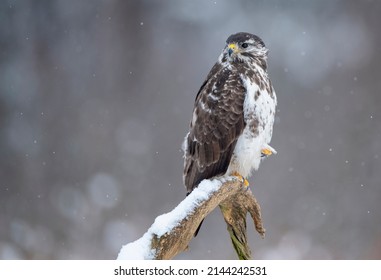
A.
x: 233, y: 115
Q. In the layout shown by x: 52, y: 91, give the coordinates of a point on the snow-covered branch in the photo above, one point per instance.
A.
x: 171, y: 233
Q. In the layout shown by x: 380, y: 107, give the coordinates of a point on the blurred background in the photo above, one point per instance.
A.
x: 96, y: 97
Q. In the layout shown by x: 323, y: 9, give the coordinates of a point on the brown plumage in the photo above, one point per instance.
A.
x: 233, y: 114
x: 211, y: 143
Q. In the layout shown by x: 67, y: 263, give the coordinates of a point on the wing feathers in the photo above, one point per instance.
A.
x: 220, y: 121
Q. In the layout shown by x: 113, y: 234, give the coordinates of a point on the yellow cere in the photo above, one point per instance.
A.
x: 233, y: 47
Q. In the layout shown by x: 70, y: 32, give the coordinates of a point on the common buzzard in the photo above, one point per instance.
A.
x: 233, y: 115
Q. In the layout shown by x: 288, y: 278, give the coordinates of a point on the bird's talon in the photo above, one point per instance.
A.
x: 241, y: 178
x: 246, y: 183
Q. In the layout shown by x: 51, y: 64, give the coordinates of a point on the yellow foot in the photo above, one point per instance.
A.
x: 240, y: 177
x: 267, y: 150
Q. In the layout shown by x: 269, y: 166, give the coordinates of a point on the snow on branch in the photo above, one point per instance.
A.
x: 171, y: 233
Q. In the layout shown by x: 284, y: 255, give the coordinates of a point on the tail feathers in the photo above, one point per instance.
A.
x: 198, y: 229
x: 199, y: 226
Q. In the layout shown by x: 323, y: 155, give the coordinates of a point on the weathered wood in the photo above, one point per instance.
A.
x: 235, y: 201
x: 235, y: 209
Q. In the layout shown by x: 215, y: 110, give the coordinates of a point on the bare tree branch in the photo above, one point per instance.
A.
x: 171, y: 233
x: 234, y: 209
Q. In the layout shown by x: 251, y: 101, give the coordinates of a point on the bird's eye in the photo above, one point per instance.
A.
x: 244, y: 45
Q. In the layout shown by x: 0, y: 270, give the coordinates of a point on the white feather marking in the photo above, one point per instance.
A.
x: 213, y: 97
x: 184, y: 145
x: 204, y: 107
x: 247, y: 153
x: 194, y: 118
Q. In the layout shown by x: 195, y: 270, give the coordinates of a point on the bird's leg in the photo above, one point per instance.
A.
x: 241, y: 178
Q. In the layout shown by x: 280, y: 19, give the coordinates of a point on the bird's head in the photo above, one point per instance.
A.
x: 243, y: 46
